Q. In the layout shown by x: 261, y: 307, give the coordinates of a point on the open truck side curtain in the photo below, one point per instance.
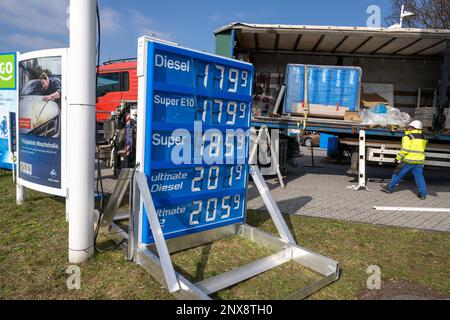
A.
x: 403, y: 61
x: 398, y: 64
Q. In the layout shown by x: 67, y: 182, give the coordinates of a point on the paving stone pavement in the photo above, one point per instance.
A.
x: 322, y: 192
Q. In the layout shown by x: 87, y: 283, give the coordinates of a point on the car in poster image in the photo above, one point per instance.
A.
x: 310, y: 139
x: 38, y: 117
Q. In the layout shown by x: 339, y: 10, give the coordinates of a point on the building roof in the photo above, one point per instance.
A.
x: 340, y: 40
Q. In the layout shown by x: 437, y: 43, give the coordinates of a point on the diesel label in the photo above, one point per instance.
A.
x: 173, y: 64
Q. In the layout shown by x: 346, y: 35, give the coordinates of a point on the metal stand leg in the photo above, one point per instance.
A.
x: 354, y: 163
x: 116, y: 197
x: 271, y: 205
x: 280, y: 97
x: 67, y: 209
x: 274, y: 159
x: 20, y: 194
x: 313, y: 164
x: 272, y: 151
x: 255, y: 147
x: 163, y: 252
x: 133, y: 221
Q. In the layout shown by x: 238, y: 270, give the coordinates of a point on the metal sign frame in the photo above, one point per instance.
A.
x: 63, y: 53
x: 155, y: 258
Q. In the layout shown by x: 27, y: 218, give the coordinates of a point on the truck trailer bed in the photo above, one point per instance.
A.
x: 341, y: 128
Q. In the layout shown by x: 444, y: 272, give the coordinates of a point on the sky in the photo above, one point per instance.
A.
x: 28, y: 25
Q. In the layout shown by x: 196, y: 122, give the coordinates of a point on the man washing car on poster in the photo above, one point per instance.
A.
x: 411, y: 158
x: 51, y: 88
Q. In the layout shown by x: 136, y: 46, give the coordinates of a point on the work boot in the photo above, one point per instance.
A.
x: 384, y: 188
x: 422, y: 197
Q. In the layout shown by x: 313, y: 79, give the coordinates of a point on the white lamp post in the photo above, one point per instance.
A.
x: 81, y: 129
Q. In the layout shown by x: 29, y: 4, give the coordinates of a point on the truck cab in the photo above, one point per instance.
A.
x: 117, y: 82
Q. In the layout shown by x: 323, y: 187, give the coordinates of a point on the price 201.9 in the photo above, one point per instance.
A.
x: 213, y: 175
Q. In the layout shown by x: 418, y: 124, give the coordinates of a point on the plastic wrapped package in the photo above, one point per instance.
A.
x: 383, y: 115
x: 322, y: 90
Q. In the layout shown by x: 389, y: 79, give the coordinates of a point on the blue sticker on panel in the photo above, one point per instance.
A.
x: 198, y: 109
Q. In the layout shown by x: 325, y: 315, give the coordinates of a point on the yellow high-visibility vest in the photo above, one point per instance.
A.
x: 413, y: 148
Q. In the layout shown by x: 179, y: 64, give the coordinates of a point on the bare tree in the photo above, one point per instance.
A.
x: 428, y: 14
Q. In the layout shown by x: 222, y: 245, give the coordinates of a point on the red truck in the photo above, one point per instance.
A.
x: 117, y: 82
x: 117, y: 88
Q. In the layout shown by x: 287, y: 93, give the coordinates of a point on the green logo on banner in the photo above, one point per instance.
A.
x: 7, y: 71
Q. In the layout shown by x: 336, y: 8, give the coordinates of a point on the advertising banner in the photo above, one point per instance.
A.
x: 195, y: 114
x: 41, y: 121
x: 8, y: 103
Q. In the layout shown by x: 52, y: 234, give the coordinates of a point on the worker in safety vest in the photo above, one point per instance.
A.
x: 410, y: 159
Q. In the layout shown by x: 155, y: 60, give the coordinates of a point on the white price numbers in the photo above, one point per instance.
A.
x: 213, y: 149
x: 233, y: 77
x: 213, y: 177
x: 232, y: 110
x: 226, y: 204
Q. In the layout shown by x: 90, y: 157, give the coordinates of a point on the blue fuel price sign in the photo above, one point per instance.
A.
x: 194, y: 135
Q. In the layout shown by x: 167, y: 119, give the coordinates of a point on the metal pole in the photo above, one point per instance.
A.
x: 81, y: 129
x: 362, y: 162
x: 362, y: 159
x: 401, y: 15
x: 280, y: 97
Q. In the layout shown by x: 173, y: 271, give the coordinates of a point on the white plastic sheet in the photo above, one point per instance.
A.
x: 392, y: 116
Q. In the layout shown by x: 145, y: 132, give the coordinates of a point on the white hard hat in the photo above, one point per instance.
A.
x: 416, y: 124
